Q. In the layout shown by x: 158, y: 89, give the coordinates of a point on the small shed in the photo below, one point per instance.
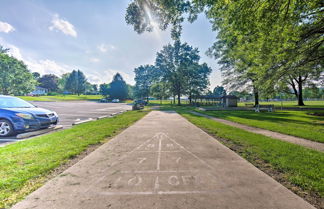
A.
x: 230, y: 101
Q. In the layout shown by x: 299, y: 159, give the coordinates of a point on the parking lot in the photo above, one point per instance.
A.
x: 76, y: 111
x: 70, y: 112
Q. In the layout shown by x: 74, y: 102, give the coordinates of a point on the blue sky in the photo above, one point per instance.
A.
x: 59, y: 36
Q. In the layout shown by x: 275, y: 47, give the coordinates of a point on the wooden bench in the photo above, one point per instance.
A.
x: 269, y: 108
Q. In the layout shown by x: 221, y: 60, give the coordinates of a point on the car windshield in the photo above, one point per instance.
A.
x: 12, y: 102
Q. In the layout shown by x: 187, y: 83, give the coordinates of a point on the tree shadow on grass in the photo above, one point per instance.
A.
x: 275, y: 117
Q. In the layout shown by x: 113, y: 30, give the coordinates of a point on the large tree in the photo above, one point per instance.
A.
x: 160, y: 90
x: 15, y: 78
x: 104, y: 90
x: 62, y: 82
x: 118, y: 88
x: 266, y: 42
x: 49, y: 81
x: 173, y: 62
x: 197, y: 78
x: 144, y: 76
x: 76, y: 82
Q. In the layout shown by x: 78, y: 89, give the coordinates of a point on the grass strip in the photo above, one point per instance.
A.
x: 300, y: 166
x: 24, y: 166
x: 295, y: 123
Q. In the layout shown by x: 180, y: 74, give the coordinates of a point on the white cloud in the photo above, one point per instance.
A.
x: 107, y: 75
x: 95, y: 60
x: 104, y: 47
x: 42, y: 66
x: 6, y: 27
x: 47, y: 67
x: 63, y: 25
x: 14, y: 51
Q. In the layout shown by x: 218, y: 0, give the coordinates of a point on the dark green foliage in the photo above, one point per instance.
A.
x: 76, y: 82
x: 118, y: 88
x: 178, y: 65
x: 49, y: 81
x: 36, y: 75
x: 219, y: 91
x: 263, y: 46
x: 104, y: 90
x: 144, y: 76
x: 15, y: 78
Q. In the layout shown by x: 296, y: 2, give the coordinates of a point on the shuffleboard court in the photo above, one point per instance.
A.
x: 163, y: 162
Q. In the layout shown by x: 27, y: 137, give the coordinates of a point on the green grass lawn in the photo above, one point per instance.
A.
x: 308, y: 104
x: 300, y: 166
x: 25, y: 165
x: 62, y: 98
x: 295, y: 123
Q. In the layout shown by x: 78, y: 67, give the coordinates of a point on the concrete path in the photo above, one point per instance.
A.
x: 163, y: 162
x: 292, y: 139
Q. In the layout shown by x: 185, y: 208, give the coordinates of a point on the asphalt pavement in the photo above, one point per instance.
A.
x: 75, y: 111
x: 163, y: 162
x: 71, y: 112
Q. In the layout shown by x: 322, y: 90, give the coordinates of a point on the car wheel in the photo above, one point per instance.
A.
x: 6, y: 128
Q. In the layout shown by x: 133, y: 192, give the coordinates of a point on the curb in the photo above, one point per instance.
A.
x: 104, y: 116
x: 83, y: 121
x: 100, y: 117
x: 35, y: 133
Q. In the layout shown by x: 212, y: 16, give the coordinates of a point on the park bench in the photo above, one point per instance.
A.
x: 259, y: 108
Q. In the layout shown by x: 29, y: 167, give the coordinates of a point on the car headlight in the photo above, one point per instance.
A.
x: 55, y: 114
x: 25, y: 116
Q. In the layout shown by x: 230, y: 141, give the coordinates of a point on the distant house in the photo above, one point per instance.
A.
x: 39, y: 91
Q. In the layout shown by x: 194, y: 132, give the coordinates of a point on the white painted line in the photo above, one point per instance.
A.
x: 195, y: 156
x: 156, y: 185
x: 158, y: 192
x: 155, y: 171
x: 159, y: 153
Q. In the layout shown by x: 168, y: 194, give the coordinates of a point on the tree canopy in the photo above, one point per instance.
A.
x: 15, y: 78
x: 49, y: 81
x: 263, y: 43
x: 118, y: 88
x: 76, y: 82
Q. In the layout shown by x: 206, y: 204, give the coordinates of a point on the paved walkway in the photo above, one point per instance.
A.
x: 292, y: 139
x: 163, y: 162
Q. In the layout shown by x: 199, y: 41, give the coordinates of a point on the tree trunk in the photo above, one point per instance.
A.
x: 300, y: 92
x: 256, y: 98
x: 174, y: 99
x: 179, y: 99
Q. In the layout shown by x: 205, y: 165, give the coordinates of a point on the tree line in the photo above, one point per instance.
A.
x: 264, y: 47
x: 175, y: 73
